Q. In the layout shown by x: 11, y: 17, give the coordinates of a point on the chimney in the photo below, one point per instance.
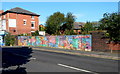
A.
x: 1, y: 11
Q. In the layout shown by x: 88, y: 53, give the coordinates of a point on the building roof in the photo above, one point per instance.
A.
x: 77, y: 25
x: 21, y: 11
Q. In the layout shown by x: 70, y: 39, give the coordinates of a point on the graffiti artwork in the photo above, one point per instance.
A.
x: 78, y: 42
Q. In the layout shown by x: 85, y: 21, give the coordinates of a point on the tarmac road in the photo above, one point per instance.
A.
x: 48, y: 61
x: 43, y: 61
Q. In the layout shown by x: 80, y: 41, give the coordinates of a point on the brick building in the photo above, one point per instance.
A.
x: 19, y: 21
x: 77, y: 27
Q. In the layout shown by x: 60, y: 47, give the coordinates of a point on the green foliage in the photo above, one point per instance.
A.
x: 41, y: 28
x: 87, y: 27
x: 36, y: 33
x: 85, y: 32
x: 57, y: 33
x: 54, y: 22
x: 25, y: 34
x: 58, y: 21
x: 68, y: 23
x: 111, y: 23
x: 9, y: 39
x: 69, y: 32
x: 69, y: 20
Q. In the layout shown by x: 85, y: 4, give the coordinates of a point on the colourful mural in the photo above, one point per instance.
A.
x: 78, y: 42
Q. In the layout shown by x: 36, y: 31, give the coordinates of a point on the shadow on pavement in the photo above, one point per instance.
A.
x: 15, y: 56
x: 18, y: 70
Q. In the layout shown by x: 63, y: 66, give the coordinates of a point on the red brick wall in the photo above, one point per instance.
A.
x: 99, y: 42
x: 11, y: 29
x: 114, y: 46
x: 7, y: 16
x: 12, y: 15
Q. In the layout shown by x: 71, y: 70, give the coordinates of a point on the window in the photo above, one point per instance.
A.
x: 4, y: 16
x: 24, y: 22
x: 12, y: 22
x: 33, y: 24
x: 0, y: 18
x: 14, y: 30
x: 32, y: 17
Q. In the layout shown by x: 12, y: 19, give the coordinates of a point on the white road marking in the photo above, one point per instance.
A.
x: 0, y: 69
x: 76, y: 68
x: 32, y: 58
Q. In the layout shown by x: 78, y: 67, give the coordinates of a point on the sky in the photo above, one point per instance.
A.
x: 84, y: 11
x: 60, y: 0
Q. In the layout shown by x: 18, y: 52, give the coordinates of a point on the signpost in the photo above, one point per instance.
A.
x: 2, y: 33
x: 42, y: 33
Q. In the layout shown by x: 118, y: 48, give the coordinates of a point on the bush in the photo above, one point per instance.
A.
x: 111, y: 23
x: 36, y: 33
x: 9, y: 39
x: 69, y: 32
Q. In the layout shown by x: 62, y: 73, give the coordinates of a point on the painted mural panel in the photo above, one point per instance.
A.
x: 78, y: 42
x: 52, y: 41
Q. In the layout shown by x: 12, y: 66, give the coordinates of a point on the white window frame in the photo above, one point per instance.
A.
x: 0, y: 17
x: 4, y: 16
x: 32, y: 17
x: 25, y: 21
x: 12, y: 22
x: 32, y: 31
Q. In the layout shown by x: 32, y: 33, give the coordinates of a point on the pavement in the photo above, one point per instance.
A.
x: 105, y: 55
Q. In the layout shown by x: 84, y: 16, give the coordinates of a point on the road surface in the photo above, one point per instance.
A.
x: 43, y: 61
x: 55, y: 62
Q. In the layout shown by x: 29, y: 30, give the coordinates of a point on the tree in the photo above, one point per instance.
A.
x: 69, y: 20
x: 87, y: 27
x: 58, y: 21
x: 41, y: 28
x: 9, y: 39
x: 95, y: 24
x: 54, y: 22
x: 111, y: 23
x: 69, y: 32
